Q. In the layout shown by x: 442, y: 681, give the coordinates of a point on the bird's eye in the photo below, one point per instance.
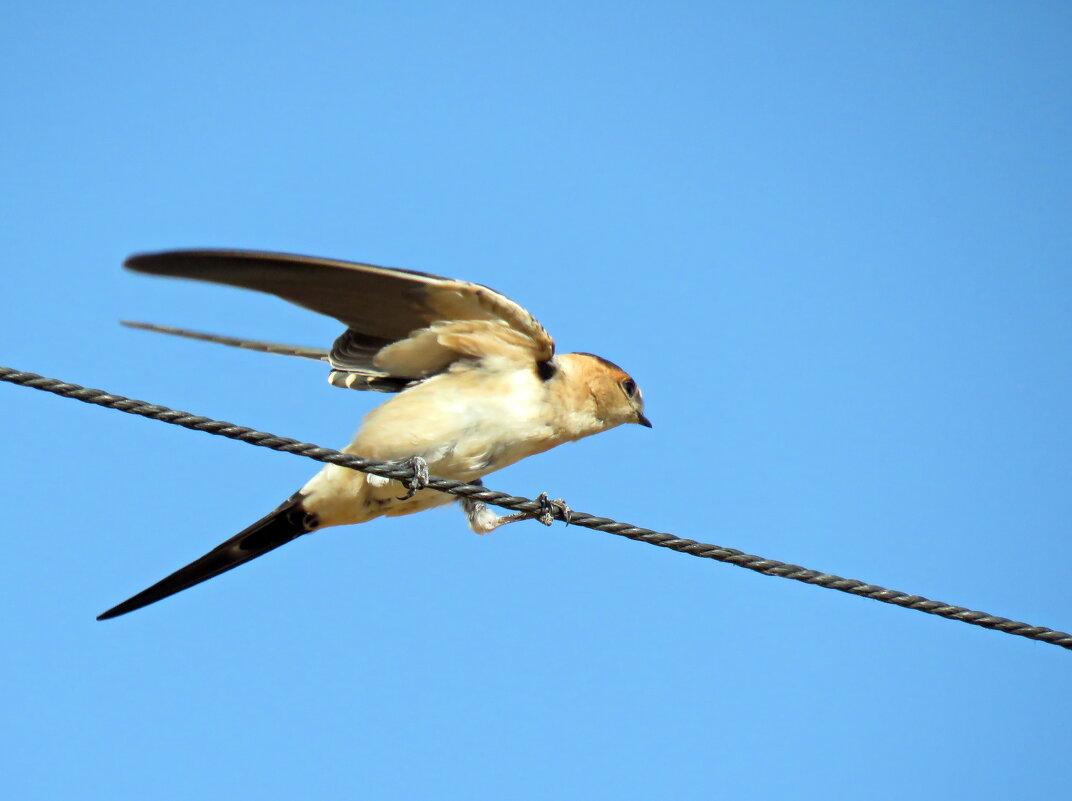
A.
x: 629, y: 386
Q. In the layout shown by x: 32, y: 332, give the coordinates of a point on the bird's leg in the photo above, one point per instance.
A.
x: 419, y: 479
x: 482, y: 519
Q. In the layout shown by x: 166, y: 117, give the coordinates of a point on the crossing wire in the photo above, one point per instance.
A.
x: 403, y: 472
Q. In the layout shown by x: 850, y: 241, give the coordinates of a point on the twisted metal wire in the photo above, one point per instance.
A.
x: 401, y: 472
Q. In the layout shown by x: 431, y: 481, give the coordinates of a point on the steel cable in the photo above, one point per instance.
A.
x: 769, y: 567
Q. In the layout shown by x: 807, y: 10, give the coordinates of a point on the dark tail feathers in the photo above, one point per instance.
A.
x: 287, y: 522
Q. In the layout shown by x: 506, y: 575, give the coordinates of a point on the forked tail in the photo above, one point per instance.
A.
x: 287, y: 522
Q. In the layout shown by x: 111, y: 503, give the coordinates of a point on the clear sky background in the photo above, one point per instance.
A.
x: 831, y: 241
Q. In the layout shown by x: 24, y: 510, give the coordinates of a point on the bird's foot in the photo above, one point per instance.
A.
x: 482, y: 519
x: 548, y: 509
x: 418, y: 480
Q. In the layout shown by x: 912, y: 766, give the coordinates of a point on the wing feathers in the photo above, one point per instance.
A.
x: 401, y: 323
x: 351, y: 293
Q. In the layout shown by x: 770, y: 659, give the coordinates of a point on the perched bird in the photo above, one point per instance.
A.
x: 478, y: 385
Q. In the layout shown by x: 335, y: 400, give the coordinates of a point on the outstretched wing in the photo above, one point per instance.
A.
x: 402, y: 325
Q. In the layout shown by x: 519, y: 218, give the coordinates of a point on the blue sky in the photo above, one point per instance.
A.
x: 829, y: 240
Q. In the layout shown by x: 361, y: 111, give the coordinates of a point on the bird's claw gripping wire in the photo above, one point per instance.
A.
x: 482, y: 519
x: 548, y: 509
x: 418, y: 480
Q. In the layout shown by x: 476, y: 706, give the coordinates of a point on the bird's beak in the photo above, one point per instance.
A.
x: 643, y: 420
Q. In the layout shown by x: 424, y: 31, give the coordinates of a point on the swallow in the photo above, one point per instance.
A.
x: 476, y: 385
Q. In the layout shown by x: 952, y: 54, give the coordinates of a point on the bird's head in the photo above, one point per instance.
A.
x: 612, y: 391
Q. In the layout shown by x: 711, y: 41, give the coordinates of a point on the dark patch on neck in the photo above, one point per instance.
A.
x: 546, y: 370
